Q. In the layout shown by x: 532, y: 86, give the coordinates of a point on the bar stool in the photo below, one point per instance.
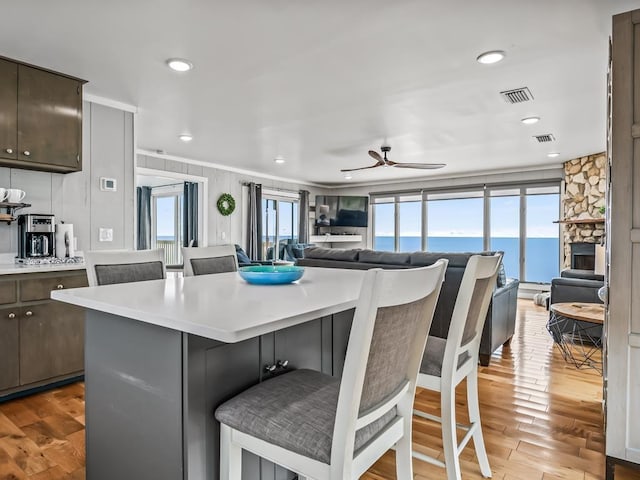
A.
x: 447, y: 362
x: 325, y: 428
x: 208, y: 260
x: 105, y: 267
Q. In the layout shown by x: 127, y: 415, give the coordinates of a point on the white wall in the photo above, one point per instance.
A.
x: 107, y: 151
x: 223, y: 229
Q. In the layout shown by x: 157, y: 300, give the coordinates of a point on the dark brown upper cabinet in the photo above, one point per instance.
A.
x: 40, y: 118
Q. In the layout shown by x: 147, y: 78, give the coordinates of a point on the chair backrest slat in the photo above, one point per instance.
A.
x: 386, y: 344
x: 123, y: 266
x: 209, y: 260
x: 470, y: 310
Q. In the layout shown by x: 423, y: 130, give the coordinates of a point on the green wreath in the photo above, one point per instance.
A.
x: 226, y: 204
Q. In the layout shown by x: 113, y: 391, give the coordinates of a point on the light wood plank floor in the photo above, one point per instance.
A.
x: 542, y: 420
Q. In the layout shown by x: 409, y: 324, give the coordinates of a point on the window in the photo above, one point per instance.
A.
x: 280, y: 221
x: 455, y: 222
x: 517, y: 220
x: 167, y: 223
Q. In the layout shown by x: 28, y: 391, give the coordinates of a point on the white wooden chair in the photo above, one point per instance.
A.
x: 322, y: 427
x: 447, y: 362
x: 208, y: 260
x: 105, y: 267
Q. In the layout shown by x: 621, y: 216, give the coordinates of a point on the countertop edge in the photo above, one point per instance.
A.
x: 190, y: 328
x: 17, y: 269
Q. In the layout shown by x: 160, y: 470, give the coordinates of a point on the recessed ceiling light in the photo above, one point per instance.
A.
x: 530, y: 120
x: 553, y: 154
x: 348, y: 176
x: 185, y: 137
x: 179, y: 64
x: 494, y: 56
x: 279, y: 159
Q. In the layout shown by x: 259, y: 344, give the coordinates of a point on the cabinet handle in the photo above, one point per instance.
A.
x: 283, y: 363
x: 270, y: 368
x: 9, y: 150
x: 28, y: 313
x: 60, y: 287
x: 12, y: 315
x: 27, y: 153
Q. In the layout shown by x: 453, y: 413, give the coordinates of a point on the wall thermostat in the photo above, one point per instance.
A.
x: 107, y: 184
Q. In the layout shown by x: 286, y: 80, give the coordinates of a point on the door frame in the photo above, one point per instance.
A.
x: 203, y: 195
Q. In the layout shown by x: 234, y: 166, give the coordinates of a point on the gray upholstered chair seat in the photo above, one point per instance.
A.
x: 434, y: 355
x: 295, y: 411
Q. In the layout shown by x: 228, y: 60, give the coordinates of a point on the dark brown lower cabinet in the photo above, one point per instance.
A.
x: 51, y: 341
x: 9, y: 356
x: 41, y: 340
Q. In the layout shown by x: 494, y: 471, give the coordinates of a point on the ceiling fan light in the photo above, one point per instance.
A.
x: 493, y: 56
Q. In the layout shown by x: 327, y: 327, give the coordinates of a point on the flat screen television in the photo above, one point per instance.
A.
x: 341, y: 211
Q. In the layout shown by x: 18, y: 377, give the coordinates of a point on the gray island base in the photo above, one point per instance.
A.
x: 151, y: 390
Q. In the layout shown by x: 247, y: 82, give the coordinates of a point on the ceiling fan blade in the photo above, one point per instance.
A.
x: 377, y: 156
x: 379, y: 164
x: 424, y: 166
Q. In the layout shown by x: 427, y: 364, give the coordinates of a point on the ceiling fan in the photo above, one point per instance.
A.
x: 385, y: 162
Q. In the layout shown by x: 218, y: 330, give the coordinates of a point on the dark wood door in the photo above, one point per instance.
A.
x: 49, y: 119
x: 9, y: 344
x: 51, y: 341
x: 8, y: 109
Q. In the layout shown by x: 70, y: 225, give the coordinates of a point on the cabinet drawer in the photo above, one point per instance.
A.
x: 8, y: 292
x: 40, y: 288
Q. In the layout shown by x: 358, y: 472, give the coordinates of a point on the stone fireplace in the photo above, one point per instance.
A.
x: 584, y: 195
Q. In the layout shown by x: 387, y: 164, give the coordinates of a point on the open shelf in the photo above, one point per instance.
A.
x: 10, y: 209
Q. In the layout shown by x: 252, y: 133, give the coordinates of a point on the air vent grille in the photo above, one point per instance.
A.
x: 518, y: 95
x: 547, y: 137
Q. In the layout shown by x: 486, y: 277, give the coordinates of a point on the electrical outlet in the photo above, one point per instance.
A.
x: 223, y: 235
x: 106, y: 235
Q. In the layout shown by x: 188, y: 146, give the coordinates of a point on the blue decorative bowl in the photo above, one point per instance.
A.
x: 271, y: 274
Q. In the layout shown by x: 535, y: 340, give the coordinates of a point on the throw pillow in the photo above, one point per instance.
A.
x: 502, y: 276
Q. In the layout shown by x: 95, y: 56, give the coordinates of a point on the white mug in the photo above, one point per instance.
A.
x: 3, y: 194
x: 15, y: 196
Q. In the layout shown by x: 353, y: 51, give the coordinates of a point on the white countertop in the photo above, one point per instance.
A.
x: 223, y: 306
x: 13, y: 268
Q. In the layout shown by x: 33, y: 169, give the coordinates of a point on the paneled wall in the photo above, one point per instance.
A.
x: 223, y: 229
x: 76, y: 198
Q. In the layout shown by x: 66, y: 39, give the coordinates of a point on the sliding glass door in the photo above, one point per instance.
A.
x: 167, y: 225
x: 280, y: 223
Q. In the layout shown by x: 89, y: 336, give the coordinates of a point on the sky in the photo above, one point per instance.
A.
x: 464, y: 217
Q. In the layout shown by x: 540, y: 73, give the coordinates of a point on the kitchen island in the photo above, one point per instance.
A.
x: 161, y: 355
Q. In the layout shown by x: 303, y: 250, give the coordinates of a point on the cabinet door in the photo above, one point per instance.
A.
x: 300, y: 345
x: 9, y: 344
x: 8, y: 109
x: 49, y: 119
x: 51, y: 341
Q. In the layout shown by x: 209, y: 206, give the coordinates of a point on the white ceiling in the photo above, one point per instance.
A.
x: 322, y: 82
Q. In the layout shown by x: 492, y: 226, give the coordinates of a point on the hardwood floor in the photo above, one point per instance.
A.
x: 542, y: 419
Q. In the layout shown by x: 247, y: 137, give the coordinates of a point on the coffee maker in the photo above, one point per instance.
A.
x: 36, y: 236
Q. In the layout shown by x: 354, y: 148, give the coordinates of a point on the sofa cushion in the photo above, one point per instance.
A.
x: 385, y: 258
x: 421, y: 259
x: 582, y: 274
x: 350, y: 255
x: 242, y: 256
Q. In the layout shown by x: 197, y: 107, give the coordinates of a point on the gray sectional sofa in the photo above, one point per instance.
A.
x: 500, y: 324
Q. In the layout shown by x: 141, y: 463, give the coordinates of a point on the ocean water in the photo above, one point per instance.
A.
x: 542, y: 254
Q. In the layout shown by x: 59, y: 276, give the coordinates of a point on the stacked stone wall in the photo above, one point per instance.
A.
x: 584, y: 196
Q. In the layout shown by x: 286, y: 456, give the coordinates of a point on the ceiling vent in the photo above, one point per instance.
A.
x: 518, y: 95
x: 547, y: 137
